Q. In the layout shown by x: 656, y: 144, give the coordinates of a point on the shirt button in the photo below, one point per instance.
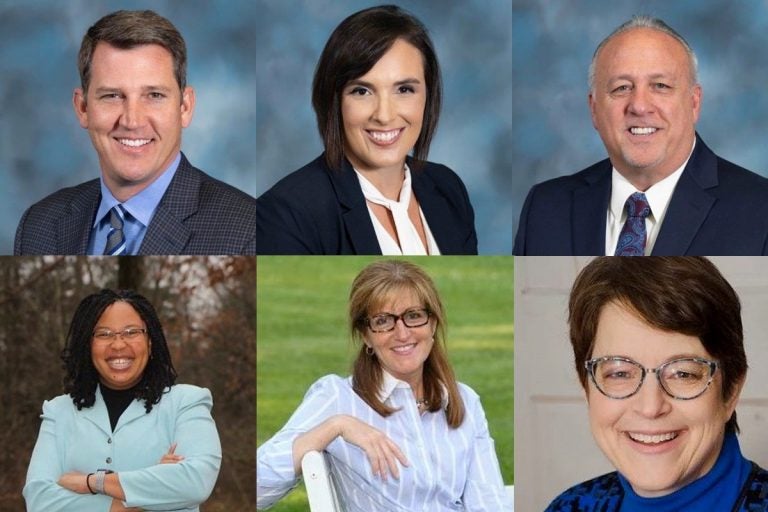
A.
x: 109, y: 460
x: 109, y: 440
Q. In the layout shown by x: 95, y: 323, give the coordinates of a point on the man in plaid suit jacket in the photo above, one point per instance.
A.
x: 149, y: 199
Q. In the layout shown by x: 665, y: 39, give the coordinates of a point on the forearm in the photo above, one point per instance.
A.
x: 317, y: 438
x: 112, y: 486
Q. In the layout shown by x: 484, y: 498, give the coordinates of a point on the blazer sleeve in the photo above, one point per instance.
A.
x: 41, y: 491
x: 189, y: 482
x: 275, y: 475
x: 484, y: 490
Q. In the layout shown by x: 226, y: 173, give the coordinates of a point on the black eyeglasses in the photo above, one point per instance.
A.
x: 384, y: 322
x: 107, y: 336
x: 620, y: 377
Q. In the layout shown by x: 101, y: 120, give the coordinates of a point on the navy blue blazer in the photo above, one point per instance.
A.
x: 717, y: 208
x: 197, y: 215
x: 316, y: 210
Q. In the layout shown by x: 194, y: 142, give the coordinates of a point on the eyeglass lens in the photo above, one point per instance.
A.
x: 684, y: 378
x: 387, y: 321
x: 127, y: 334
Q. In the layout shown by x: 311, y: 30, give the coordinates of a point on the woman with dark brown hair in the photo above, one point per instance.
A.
x: 658, y: 347
x: 377, y: 95
x: 401, y: 434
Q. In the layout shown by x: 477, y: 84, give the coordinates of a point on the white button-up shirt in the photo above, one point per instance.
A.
x: 450, y: 469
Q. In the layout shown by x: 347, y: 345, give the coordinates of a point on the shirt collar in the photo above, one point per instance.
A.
x: 373, y: 194
x: 658, y: 195
x: 141, y: 206
x: 389, y: 384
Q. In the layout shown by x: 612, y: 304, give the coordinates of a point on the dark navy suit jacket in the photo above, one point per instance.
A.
x: 316, y: 210
x: 196, y: 215
x: 717, y: 208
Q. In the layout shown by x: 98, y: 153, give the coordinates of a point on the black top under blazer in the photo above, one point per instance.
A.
x: 316, y: 210
x: 717, y: 208
x: 197, y: 215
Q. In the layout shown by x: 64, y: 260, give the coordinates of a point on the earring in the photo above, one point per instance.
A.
x: 368, y: 350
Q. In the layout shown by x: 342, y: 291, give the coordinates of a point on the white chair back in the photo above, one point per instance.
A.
x: 321, y: 490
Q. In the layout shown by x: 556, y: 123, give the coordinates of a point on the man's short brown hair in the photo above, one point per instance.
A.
x: 127, y: 29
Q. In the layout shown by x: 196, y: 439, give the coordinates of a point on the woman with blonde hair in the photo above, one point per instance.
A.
x: 400, y: 434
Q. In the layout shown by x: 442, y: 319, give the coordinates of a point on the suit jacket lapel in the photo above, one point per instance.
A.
x: 134, y: 411
x: 437, y: 211
x: 690, y: 203
x: 590, y: 207
x: 74, y: 229
x: 357, y: 220
x: 166, y: 233
x: 97, y: 413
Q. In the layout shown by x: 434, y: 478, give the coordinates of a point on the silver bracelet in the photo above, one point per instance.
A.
x: 99, y: 484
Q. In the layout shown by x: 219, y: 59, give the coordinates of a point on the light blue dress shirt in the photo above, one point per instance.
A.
x: 450, y: 469
x: 83, y: 441
x: 140, y: 209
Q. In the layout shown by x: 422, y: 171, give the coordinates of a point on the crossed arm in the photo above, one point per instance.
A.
x: 82, y: 483
x: 64, y: 444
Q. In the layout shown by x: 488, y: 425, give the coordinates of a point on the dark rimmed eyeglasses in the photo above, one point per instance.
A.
x: 384, y: 322
x: 107, y: 336
x: 620, y: 377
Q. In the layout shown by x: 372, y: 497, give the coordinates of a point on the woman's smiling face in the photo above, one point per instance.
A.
x: 657, y: 442
x: 120, y: 362
x: 383, y: 110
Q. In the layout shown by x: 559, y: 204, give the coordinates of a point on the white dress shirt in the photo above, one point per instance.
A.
x: 450, y: 469
x: 658, y: 197
x: 410, y: 241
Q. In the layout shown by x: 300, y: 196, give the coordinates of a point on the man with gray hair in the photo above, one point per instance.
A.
x: 661, y: 191
x: 134, y: 101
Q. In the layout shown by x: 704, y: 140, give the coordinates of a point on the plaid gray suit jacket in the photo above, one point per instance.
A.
x: 197, y: 215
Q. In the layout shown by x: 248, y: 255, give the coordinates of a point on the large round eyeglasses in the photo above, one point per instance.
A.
x: 620, y: 377
x: 384, y: 322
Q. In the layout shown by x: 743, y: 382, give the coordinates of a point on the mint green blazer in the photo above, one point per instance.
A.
x: 72, y: 440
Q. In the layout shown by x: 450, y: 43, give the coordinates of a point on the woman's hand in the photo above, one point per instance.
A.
x: 382, y: 452
x: 75, y: 482
x: 171, y: 457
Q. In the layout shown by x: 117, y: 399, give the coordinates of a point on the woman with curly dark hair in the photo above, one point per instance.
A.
x: 109, y: 443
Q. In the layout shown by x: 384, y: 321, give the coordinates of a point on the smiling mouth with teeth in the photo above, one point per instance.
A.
x: 134, y: 143
x: 637, y: 130
x: 404, y: 348
x: 120, y: 363
x: 652, y: 439
x: 385, y: 137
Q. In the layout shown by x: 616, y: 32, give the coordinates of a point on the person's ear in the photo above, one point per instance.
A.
x: 187, y: 106
x: 81, y: 107
x: 733, y: 400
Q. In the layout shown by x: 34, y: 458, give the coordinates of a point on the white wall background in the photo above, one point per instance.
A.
x: 554, y: 448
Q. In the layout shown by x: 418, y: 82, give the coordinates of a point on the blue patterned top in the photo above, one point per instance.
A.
x: 734, y: 484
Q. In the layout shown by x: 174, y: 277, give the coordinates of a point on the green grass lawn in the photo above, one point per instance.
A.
x: 302, y: 335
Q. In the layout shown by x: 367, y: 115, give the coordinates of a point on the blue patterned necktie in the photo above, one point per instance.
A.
x: 632, y: 236
x: 115, y: 237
